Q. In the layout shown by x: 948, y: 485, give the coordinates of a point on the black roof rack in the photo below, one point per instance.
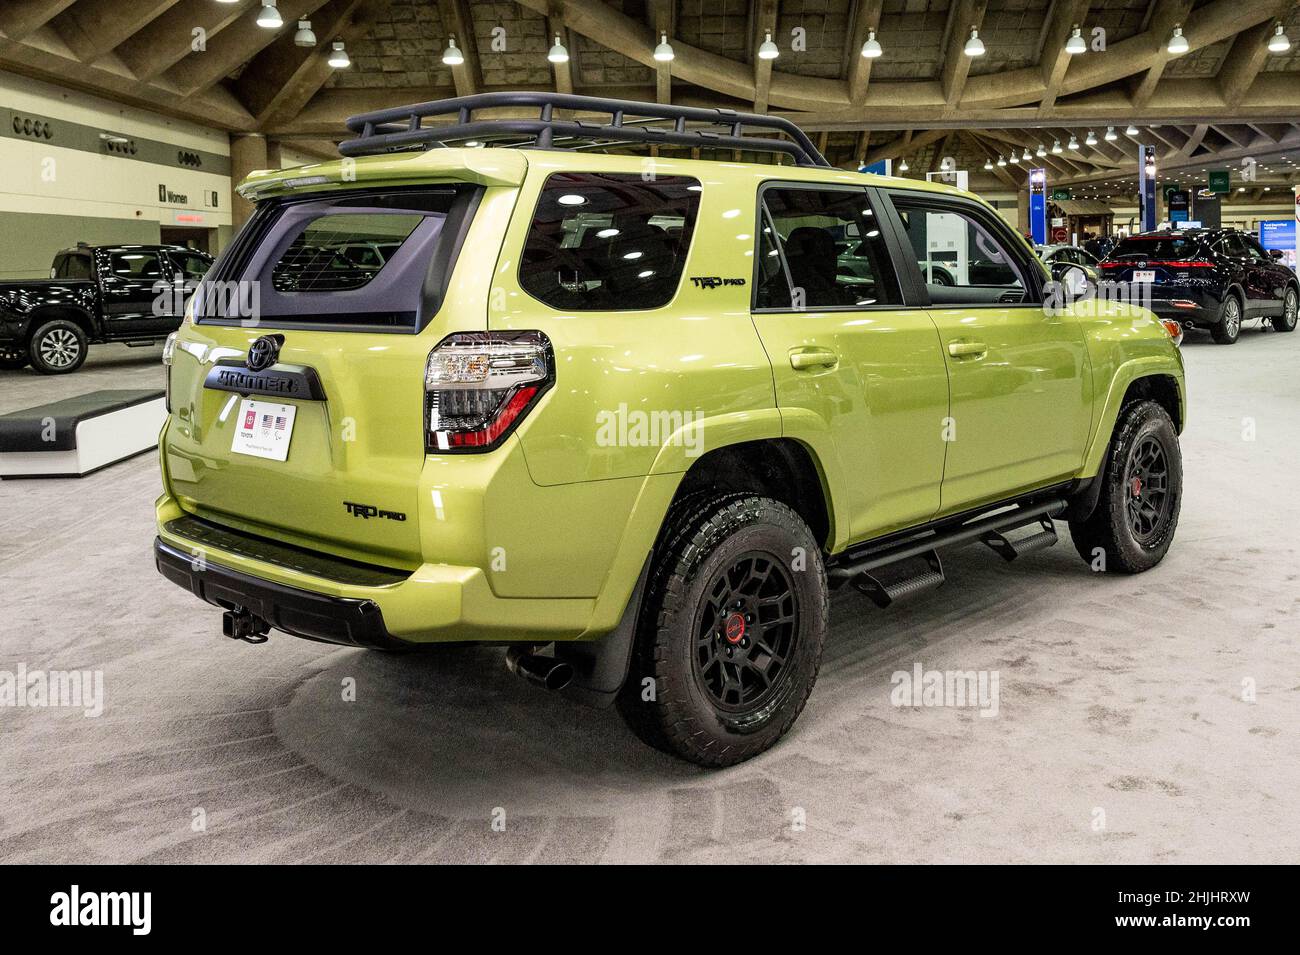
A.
x: 391, y: 130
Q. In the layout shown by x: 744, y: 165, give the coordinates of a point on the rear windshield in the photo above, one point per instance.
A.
x: 609, y: 242
x: 1157, y: 247
x: 369, y: 261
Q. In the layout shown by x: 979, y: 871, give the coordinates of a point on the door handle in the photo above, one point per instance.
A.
x: 967, y: 349
x: 814, y: 358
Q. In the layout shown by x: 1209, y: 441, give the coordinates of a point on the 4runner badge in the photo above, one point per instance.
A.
x: 714, y: 281
x: 367, y: 511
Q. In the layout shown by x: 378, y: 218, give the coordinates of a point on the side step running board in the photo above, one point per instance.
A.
x: 889, y: 572
x: 1009, y: 549
x: 905, y: 577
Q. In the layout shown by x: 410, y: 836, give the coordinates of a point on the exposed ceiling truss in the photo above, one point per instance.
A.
x: 209, y: 62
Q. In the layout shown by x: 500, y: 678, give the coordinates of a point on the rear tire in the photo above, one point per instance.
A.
x: 1286, y: 322
x: 1228, y: 329
x: 731, y: 630
x: 1136, y: 515
x: 58, y: 347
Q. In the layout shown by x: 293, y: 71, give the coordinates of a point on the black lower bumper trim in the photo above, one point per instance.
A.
x: 302, y: 613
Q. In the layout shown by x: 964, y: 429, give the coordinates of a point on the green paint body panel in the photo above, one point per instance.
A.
x: 544, y: 537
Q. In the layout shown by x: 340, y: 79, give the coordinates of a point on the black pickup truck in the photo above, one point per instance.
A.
x: 107, y: 293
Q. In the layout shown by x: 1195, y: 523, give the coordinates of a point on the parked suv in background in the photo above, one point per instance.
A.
x: 106, y: 293
x: 636, y: 408
x: 1208, y: 278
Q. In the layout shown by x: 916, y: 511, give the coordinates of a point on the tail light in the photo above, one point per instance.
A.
x: 480, y: 385
x: 1174, y: 329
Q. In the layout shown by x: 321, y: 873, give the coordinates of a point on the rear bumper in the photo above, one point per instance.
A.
x: 322, y: 598
x: 303, y: 613
x: 1196, y: 306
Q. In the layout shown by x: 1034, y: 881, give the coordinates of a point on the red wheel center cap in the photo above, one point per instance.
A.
x: 735, y: 628
x: 1137, y: 486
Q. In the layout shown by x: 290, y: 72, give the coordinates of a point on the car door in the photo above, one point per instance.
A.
x: 1020, y: 392
x: 848, y: 353
x: 127, y: 280
x: 1267, y: 279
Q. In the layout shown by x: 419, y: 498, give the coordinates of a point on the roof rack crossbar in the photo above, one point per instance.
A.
x: 391, y: 130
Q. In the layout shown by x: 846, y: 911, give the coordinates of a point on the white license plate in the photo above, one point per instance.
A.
x: 1144, y: 275
x: 263, y: 429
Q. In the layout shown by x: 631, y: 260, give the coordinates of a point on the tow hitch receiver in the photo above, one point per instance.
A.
x: 241, y: 624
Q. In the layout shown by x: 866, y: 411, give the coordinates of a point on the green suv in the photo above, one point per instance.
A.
x: 634, y: 417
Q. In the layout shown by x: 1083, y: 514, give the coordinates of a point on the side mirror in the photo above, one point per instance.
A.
x: 1275, y: 255
x: 1072, y: 278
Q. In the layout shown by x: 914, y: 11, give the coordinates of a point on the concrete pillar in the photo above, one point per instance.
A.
x: 1022, y: 211
x: 274, y: 158
x: 247, y: 153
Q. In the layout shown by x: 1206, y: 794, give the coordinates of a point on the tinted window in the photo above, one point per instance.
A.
x: 191, y: 265
x: 135, y: 265
x: 609, y: 242
x: 831, y: 252
x: 73, y: 267
x: 962, y: 260
x: 319, y: 259
x: 1160, y: 247
x: 1253, y: 248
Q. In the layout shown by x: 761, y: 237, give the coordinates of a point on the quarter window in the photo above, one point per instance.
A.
x: 822, y: 248
x: 609, y: 242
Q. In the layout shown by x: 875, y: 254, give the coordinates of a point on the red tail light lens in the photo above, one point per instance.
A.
x: 480, y: 385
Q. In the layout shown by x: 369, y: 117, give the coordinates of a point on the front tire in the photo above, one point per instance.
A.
x: 731, y: 631
x: 1136, y: 515
x: 1287, y: 320
x: 58, y: 347
x: 1228, y: 329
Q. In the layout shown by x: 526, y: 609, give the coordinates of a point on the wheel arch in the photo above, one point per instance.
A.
x: 46, y: 313
x: 1151, y: 376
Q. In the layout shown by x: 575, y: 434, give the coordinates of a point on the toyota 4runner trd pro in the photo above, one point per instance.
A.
x: 644, y: 411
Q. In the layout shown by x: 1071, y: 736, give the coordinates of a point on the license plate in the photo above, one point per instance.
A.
x: 1144, y: 275
x: 263, y: 429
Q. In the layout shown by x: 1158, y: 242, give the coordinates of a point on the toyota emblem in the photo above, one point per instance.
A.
x: 264, y: 352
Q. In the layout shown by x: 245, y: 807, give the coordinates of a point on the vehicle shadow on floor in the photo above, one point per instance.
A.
x: 452, y: 731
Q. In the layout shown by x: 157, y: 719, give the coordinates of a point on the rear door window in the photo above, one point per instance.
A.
x: 135, y: 266
x: 340, y: 252
x: 609, y: 242
x: 822, y: 248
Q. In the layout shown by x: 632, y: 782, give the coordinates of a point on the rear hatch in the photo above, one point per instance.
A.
x: 1158, y: 261
x: 344, y: 291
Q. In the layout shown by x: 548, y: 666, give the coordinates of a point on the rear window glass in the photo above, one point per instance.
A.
x: 135, y: 265
x: 340, y: 252
x: 73, y: 267
x: 358, y: 261
x: 609, y: 242
x: 1157, y: 247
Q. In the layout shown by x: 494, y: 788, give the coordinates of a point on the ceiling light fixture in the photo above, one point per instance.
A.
x: 1178, y: 44
x: 1074, y: 142
x: 871, y: 49
x: 1279, y: 42
x: 1040, y: 151
x: 558, y: 53
x: 664, y: 51
x: 903, y: 166
x: 1056, y: 147
x: 452, y: 56
x: 974, y: 46
x: 269, y: 17
x: 1131, y: 131
x: 1111, y: 135
x: 1001, y: 161
x: 1025, y: 155
x: 304, y: 36
x: 338, y: 56
x: 988, y: 165
x: 767, y: 50
x: 1075, y: 45
x: 1091, y: 139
